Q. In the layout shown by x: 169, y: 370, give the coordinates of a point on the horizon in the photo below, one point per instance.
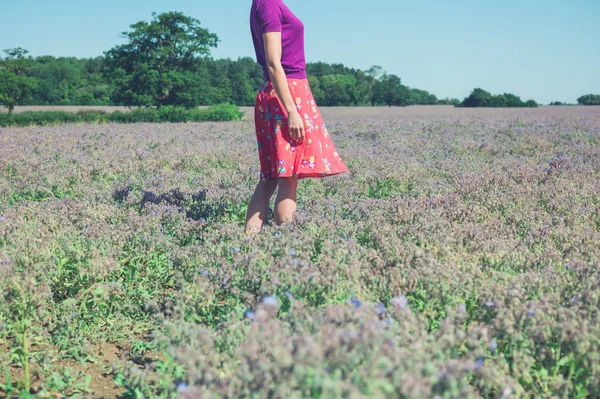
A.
x: 544, y: 51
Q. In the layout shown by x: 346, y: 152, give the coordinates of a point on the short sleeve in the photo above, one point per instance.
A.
x: 270, y: 17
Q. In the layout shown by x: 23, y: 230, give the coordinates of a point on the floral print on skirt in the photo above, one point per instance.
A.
x: 282, y: 156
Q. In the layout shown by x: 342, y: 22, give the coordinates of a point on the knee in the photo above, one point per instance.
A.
x: 287, y: 184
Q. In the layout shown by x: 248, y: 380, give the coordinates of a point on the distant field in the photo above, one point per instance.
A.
x: 459, y: 258
x: 340, y: 113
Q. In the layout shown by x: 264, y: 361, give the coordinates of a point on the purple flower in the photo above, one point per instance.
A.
x: 205, y: 272
x: 567, y: 266
x: 289, y: 296
x: 531, y: 313
x: 292, y: 252
x: 182, y: 387
x: 355, y: 302
x: 490, y: 304
x: 493, y: 345
x: 249, y: 315
x: 478, y: 363
x: 380, y: 308
x: 270, y: 300
x: 400, y: 301
x: 462, y: 308
x: 236, y: 250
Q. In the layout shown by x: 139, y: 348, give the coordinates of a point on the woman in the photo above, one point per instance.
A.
x: 293, y: 142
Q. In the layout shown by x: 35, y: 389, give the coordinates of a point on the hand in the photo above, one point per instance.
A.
x: 296, y: 127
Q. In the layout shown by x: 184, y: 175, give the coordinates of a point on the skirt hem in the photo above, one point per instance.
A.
x: 306, y: 175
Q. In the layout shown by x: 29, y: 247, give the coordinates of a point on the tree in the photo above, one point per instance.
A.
x: 373, y: 74
x: 481, y: 98
x: 478, y: 98
x: 15, y: 87
x: 589, y: 99
x: 390, y: 91
x: 245, y: 76
x: 339, y: 90
x: 157, y: 65
x: 531, y: 104
x: 448, y: 101
x: 59, y: 80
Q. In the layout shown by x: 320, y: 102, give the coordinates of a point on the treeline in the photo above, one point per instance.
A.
x: 482, y: 98
x: 589, y: 99
x: 87, y: 81
x: 167, y: 62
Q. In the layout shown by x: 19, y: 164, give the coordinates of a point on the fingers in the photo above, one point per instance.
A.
x: 297, y: 134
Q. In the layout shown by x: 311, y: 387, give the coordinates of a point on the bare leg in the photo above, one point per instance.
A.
x: 285, y: 203
x: 259, y: 205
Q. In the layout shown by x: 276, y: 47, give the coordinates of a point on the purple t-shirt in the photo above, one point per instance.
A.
x: 274, y: 16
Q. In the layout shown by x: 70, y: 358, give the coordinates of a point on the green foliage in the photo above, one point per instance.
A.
x: 158, y: 66
x: 69, y: 81
x: 15, y: 87
x: 448, y: 101
x: 482, y: 98
x: 589, y: 99
x: 338, y: 89
x: 221, y: 112
x: 390, y: 91
x: 174, y: 114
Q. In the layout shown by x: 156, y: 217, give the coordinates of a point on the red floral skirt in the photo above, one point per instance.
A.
x: 280, y: 155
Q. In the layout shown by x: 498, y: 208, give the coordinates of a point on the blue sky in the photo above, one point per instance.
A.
x: 547, y: 50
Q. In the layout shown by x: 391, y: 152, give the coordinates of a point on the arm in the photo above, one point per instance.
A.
x: 272, y: 42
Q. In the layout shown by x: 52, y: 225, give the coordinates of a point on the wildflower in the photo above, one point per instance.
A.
x: 250, y: 315
x: 531, y: 313
x: 567, y: 266
x: 380, y: 308
x: 236, y: 250
x: 355, y: 302
x: 182, y: 387
x: 493, y: 345
x: 400, y: 301
x: 490, y: 304
x: 205, y: 272
x: 270, y: 300
x: 289, y: 296
x: 292, y: 252
x: 478, y: 363
x: 462, y: 308
x: 295, y: 262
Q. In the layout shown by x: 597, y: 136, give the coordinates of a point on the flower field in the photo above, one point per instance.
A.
x: 459, y: 258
